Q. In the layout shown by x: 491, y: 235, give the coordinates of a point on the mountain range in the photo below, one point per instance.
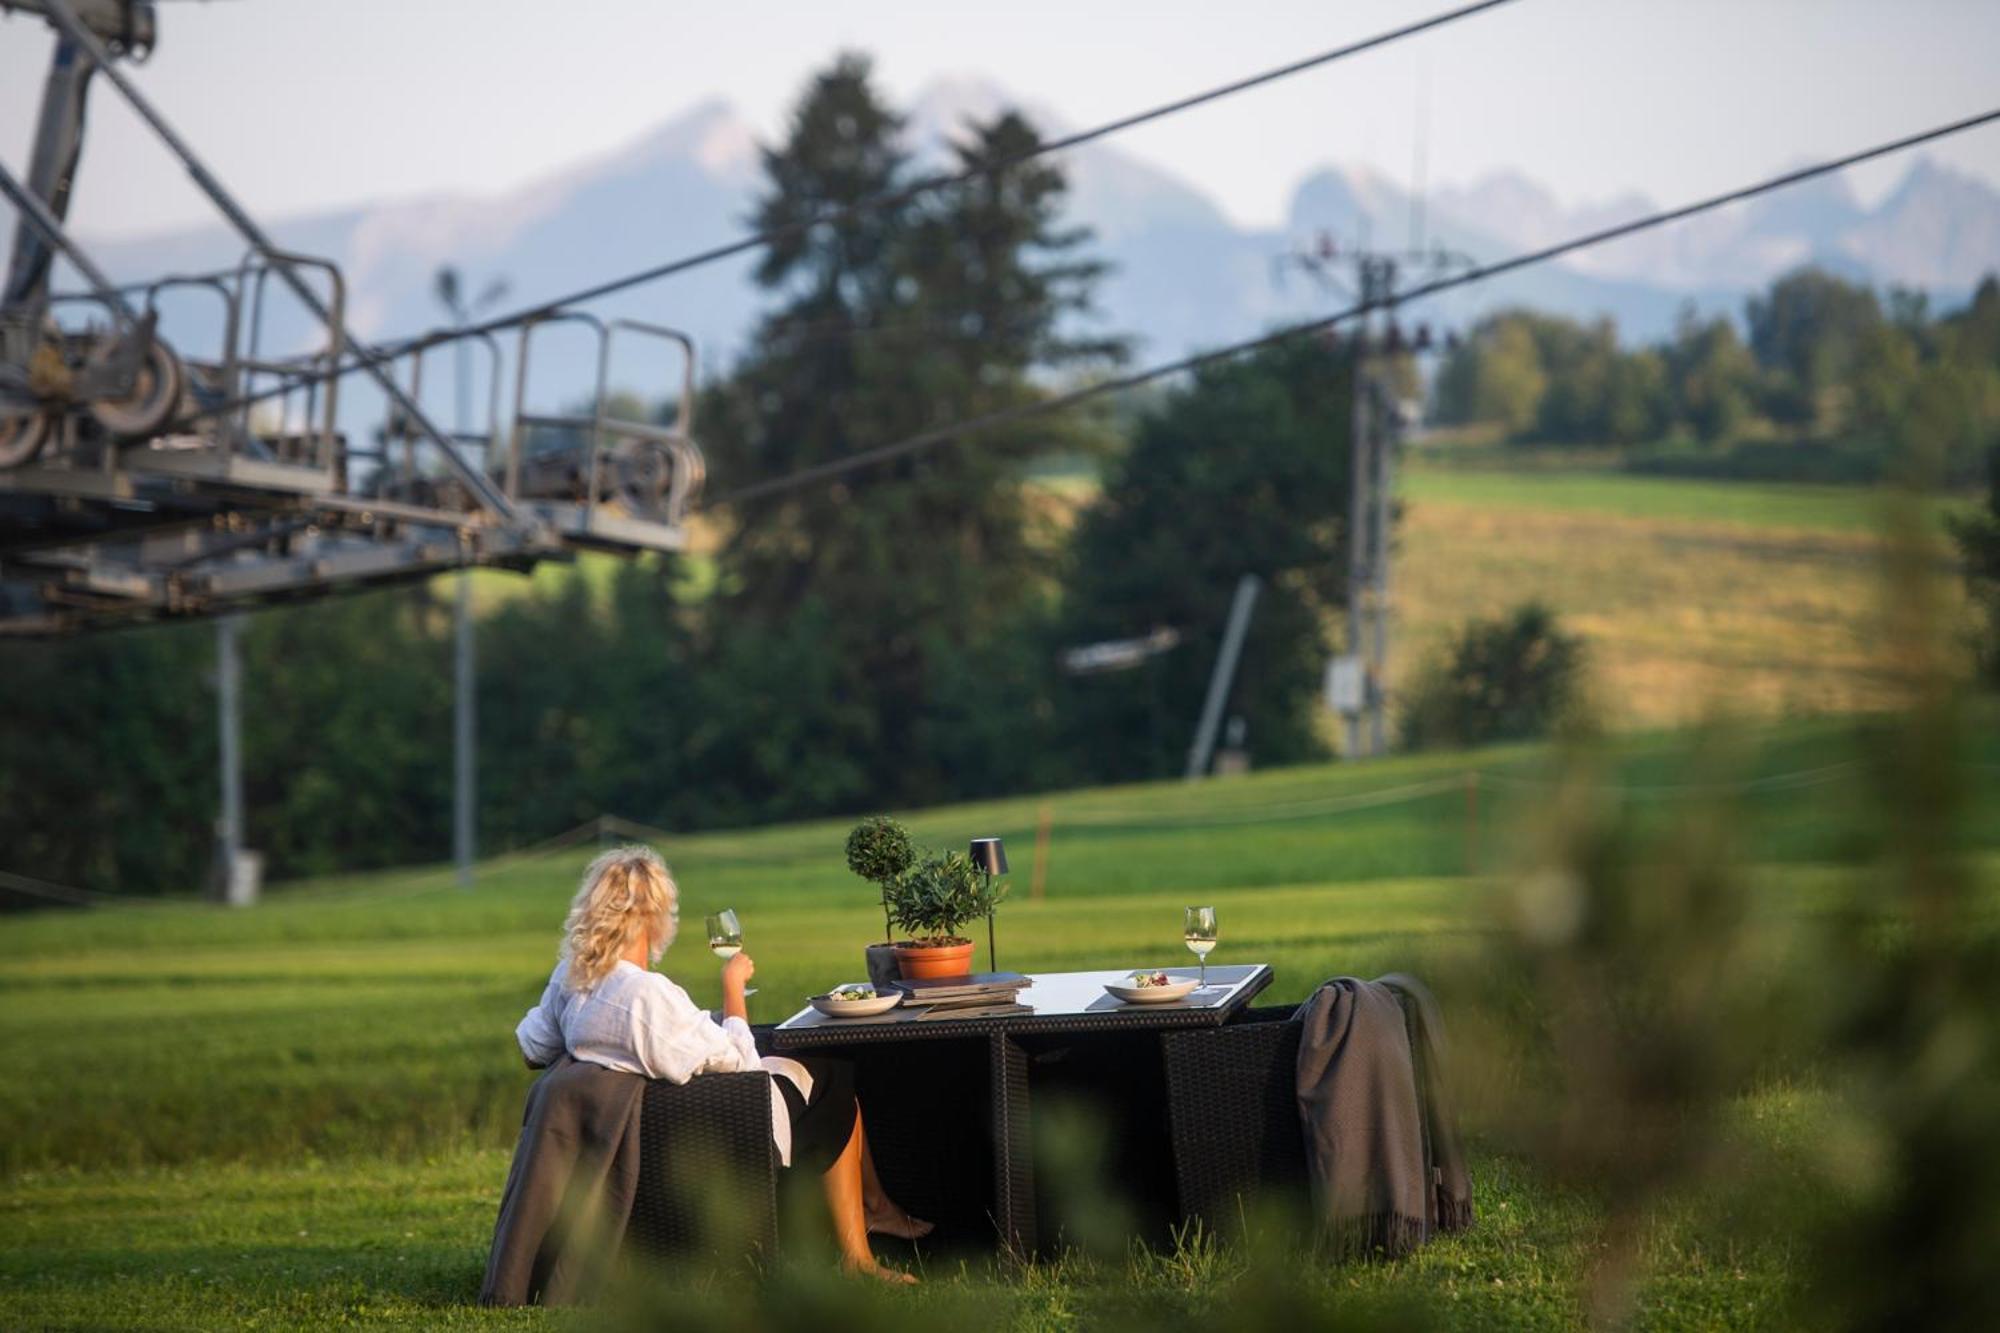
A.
x: 1184, y: 276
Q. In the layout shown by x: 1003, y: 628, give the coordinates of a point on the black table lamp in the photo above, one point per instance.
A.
x: 990, y: 855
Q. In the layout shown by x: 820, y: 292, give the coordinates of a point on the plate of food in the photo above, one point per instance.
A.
x: 1152, y: 988
x: 856, y: 1000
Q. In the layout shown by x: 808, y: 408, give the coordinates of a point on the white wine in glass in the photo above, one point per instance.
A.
x: 725, y: 938
x: 1199, y: 931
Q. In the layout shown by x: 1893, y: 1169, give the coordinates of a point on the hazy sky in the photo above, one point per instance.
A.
x: 305, y: 104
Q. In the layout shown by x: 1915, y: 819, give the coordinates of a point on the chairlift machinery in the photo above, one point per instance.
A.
x: 143, y: 478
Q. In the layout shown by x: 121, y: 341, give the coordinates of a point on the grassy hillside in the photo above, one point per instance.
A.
x: 300, y: 1113
x: 1693, y: 596
x: 1550, y: 487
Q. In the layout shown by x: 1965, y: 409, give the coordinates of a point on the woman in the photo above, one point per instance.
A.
x: 604, y: 1005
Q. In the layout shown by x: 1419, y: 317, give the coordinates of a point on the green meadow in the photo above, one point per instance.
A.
x: 302, y: 1113
x: 1691, y: 597
x: 1552, y: 486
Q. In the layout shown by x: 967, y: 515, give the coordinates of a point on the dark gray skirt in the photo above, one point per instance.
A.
x: 821, y: 1126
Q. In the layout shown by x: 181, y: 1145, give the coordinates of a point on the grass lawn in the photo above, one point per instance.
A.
x: 1772, y: 505
x: 300, y: 1114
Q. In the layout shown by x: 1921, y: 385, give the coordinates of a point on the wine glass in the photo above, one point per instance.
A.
x: 1199, y: 931
x: 725, y: 939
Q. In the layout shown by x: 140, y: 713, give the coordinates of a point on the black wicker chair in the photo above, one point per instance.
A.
x: 708, y: 1170
x: 1233, y: 1114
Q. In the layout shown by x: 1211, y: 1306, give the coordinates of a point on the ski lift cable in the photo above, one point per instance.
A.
x: 946, y: 434
x: 894, y: 198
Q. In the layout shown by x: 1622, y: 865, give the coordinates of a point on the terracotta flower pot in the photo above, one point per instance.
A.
x: 920, y: 962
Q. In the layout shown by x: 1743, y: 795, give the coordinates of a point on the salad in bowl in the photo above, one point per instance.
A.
x: 1152, y: 987
x: 856, y: 999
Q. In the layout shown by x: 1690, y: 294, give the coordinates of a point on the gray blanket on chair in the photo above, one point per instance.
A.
x: 1382, y: 1146
x: 570, y: 1190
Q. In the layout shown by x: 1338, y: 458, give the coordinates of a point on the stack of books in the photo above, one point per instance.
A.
x: 980, y: 995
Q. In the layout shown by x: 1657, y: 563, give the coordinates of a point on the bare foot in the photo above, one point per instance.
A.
x: 886, y: 1219
x: 873, y: 1269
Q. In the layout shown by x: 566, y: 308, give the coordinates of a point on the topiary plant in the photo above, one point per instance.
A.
x: 938, y: 895
x: 879, y: 851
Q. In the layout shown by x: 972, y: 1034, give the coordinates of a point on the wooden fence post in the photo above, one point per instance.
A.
x: 1042, y: 818
x: 1472, y: 821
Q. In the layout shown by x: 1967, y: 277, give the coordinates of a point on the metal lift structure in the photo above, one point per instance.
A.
x: 143, y: 478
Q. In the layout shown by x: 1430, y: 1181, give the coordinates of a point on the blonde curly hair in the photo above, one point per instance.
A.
x: 624, y: 893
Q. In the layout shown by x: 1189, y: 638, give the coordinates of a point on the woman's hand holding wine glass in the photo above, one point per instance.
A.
x: 725, y: 941
x: 736, y: 972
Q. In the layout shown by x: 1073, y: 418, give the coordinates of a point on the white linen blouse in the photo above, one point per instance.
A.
x: 638, y: 1021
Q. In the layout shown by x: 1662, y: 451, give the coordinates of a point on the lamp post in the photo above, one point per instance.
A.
x: 465, y: 813
x: 990, y: 855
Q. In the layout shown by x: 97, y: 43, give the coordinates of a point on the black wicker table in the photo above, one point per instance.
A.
x: 931, y: 1152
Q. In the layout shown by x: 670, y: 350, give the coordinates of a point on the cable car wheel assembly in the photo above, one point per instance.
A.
x: 126, y: 385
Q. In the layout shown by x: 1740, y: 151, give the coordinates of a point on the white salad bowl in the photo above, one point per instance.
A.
x: 1178, y: 990
x: 880, y: 1004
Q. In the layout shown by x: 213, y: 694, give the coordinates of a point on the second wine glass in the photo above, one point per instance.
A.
x: 1198, y: 929
x: 725, y: 939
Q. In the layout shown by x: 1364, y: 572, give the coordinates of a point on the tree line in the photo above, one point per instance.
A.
x: 1830, y: 377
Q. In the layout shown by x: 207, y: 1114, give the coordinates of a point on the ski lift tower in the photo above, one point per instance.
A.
x: 1356, y: 679
x: 149, y: 474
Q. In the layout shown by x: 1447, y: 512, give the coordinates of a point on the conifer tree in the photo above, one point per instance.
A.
x: 903, y: 318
